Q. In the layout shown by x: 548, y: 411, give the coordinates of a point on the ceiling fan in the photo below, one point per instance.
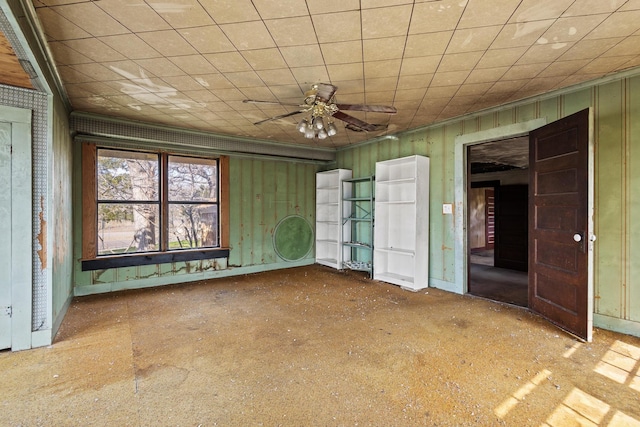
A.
x: 319, y: 105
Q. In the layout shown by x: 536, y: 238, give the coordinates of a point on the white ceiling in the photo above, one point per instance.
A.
x: 190, y: 63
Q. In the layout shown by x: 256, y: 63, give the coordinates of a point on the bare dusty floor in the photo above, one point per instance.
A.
x: 315, y: 347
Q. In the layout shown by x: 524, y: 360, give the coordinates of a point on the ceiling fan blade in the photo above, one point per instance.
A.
x: 281, y: 116
x: 325, y: 92
x: 368, y: 108
x: 357, y: 122
x: 255, y: 101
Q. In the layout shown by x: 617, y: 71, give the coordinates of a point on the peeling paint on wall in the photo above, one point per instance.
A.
x: 42, y: 236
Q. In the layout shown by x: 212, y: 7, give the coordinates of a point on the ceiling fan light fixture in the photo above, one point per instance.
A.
x: 309, y: 132
x: 317, y: 122
x: 331, y: 129
x: 322, y: 134
x: 302, y: 126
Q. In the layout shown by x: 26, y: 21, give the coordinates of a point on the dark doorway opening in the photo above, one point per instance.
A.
x: 497, y: 200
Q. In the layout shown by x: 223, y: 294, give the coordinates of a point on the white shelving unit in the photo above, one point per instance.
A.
x: 401, y: 234
x: 330, y: 210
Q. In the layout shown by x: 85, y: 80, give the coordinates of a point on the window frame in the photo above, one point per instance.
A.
x: 90, y: 258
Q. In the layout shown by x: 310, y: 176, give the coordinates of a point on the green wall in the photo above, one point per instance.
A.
x: 262, y: 192
x: 616, y: 105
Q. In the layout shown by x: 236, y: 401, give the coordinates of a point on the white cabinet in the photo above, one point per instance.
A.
x: 330, y: 210
x: 401, y: 233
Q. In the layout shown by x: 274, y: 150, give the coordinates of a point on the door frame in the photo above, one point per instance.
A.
x: 460, y: 211
x: 21, y: 215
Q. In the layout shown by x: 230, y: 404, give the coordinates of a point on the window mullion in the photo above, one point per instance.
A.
x: 164, y: 202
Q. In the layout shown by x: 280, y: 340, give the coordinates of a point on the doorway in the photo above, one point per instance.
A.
x: 497, y: 201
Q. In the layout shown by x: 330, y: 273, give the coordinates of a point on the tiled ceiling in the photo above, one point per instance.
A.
x: 190, y: 63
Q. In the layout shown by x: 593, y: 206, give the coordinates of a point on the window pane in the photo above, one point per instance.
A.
x: 193, y: 226
x: 192, y: 179
x: 128, y: 228
x: 127, y: 176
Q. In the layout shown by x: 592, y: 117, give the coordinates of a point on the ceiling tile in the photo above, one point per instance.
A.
x: 486, y: 75
x: 306, y: 76
x: 385, y: 22
x: 374, y: 69
x: 97, y: 71
x: 214, y: 81
x: 168, y: 43
x: 459, y: 61
x: 386, y: 48
x: 225, y: 11
x: 605, y: 65
x: 136, y: 15
x: 501, y: 57
x: 278, y: 77
x: 94, y: 49
x: 353, y: 88
x: 571, y: 29
x: 479, y: 14
x: 380, y: 84
x: 130, y: 46
x: 292, y: 31
x: 621, y: 24
x: 264, y: 59
x: 584, y: 7
x: 414, y: 81
x: 193, y: 64
x: 261, y: 94
x: 431, y: 17
x: 244, y: 79
x: 201, y: 95
x: 270, y: 9
x: 544, y: 53
x: 64, y: 55
x: 287, y: 92
x: 248, y: 35
x: 228, y: 61
x: 521, y: 34
x: 473, y: 39
x: 445, y: 92
x: 427, y: 44
x: 92, y: 19
x: 410, y: 94
x: 520, y: 72
x: 631, y: 5
x: 563, y: 68
x: 182, y: 83
x: 337, y: 27
x: 183, y: 13
x: 370, y: 4
x: 56, y: 27
x: 161, y: 67
x: 317, y: 7
x: 302, y: 56
x: 536, y: 10
x: 342, y: 52
x: 90, y: 89
x: 339, y: 72
x: 474, y: 89
x: 128, y: 70
x: 420, y: 65
x: 625, y: 47
x: 208, y: 39
x: 585, y: 49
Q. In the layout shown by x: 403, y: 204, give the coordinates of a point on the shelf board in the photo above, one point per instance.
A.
x: 357, y: 245
x: 397, y: 181
x: 393, y: 278
x: 358, y: 219
x: 362, y: 179
x: 407, y: 252
x: 397, y: 202
x: 358, y: 199
x: 328, y: 222
x: 327, y: 241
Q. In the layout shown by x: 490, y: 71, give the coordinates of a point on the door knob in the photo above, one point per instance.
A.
x: 577, y: 237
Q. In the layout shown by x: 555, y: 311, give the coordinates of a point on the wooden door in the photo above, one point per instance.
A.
x: 560, y: 224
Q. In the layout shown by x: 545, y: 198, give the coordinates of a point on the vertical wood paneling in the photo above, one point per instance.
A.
x: 632, y: 126
x: 610, y: 203
x: 235, y: 210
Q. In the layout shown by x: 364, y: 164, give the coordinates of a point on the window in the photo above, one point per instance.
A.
x: 161, y: 207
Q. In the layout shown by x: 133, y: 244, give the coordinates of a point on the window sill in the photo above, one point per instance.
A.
x: 132, y: 260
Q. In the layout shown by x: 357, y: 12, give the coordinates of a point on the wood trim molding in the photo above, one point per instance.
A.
x: 223, y: 205
x: 89, y: 201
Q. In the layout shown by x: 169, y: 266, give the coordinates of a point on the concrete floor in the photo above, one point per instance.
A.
x: 315, y: 347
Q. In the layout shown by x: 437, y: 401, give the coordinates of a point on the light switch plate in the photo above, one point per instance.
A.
x: 447, y: 209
